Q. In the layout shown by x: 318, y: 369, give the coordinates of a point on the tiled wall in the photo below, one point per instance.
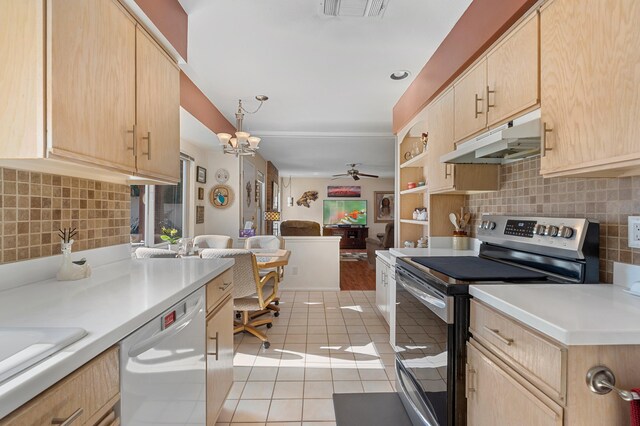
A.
x: 523, y: 191
x: 34, y: 205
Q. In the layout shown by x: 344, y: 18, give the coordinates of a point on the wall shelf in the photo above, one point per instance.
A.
x: 415, y: 222
x: 414, y: 160
x: 415, y: 190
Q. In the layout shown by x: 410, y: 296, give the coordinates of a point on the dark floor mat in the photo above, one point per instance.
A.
x: 369, y: 409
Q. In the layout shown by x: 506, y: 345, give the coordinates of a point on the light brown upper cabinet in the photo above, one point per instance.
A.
x: 512, y: 73
x: 470, y: 101
x: 589, y: 87
x: 81, y: 78
x: 158, y: 113
x: 91, y: 83
x: 450, y: 178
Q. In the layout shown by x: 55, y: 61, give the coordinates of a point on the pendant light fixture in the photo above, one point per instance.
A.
x: 290, y: 197
x: 243, y: 143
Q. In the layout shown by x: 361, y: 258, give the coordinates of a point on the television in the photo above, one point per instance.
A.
x: 344, y: 212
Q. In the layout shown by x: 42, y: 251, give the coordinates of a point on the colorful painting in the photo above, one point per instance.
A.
x: 385, y: 205
x: 343, y: 191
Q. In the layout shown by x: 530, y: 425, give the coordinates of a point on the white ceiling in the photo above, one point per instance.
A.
x: 327, y: 78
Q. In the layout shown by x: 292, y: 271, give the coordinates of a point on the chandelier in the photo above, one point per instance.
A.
x: 243, y: 143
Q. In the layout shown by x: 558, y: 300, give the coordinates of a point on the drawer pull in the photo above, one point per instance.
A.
x: 478, y: 112
x: 216, y: 352
x: 66, y: 422
x: 224, y: 286
x: 470, y: 388
x: 148, y: 139
x: 135, y: 144
x: 496, y: 333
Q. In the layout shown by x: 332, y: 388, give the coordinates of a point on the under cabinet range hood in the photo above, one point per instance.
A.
x: 516, y: 140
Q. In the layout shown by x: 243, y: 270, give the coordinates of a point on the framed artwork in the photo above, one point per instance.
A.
x: 344, y: 191
x: 199, y: 214
x: 200, y: 193
x: 384, y: 202
x: 221, y: 196
x: 201, y: 174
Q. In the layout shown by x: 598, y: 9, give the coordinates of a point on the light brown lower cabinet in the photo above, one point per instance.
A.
x: 518, y: 376
x: 85, y: 397
x: 495, y: 397
x: 219, y: 357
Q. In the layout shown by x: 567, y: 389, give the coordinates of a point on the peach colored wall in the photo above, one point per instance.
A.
x: 193, y: 100
x: 480, y: 25
x: 171, y: 20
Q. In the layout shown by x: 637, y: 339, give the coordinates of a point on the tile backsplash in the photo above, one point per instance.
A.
x: 608, y: 200
x: 34, y: 205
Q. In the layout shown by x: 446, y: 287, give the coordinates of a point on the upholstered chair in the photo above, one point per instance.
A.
x: 213, y: 241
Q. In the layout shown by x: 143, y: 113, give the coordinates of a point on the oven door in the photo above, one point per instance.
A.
x: 424, y: 324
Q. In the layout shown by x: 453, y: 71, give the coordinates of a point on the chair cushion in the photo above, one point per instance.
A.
x: 246, y: 304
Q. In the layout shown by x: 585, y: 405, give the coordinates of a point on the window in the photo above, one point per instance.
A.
x: 168, y: 209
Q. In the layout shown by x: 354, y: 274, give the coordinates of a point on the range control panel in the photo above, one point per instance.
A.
x: 536, y: 234
x: 520, y: 228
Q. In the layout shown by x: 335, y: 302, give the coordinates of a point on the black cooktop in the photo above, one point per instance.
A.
x: 472, y: 268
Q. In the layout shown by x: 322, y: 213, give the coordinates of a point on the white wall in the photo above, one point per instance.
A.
x: 314, y: 213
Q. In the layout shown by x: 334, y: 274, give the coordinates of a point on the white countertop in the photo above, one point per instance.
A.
x: 573, y: 314
x: 116, y: 300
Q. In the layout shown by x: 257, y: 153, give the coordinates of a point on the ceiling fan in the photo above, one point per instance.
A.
x: 353, y: 172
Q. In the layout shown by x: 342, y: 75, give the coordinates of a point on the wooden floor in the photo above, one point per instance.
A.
x: 357, y: 276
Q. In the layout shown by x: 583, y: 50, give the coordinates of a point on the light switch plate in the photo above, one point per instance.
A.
x: 634, y: 231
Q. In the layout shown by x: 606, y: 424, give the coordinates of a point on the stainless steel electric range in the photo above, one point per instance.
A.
x: 432, y: 301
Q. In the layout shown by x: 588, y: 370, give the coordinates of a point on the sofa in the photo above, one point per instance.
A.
x: 383, y: 241
x: 299, y: 228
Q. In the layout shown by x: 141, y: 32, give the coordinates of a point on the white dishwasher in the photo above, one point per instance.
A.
x: 163, y: 368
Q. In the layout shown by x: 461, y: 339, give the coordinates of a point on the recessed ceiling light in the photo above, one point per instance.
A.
x: 399, y: 75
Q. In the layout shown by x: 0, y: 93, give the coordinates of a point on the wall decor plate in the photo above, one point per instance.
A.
x: 221, y: 196
x: 222, y: 175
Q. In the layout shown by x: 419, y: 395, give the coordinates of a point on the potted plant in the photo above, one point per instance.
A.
x: 170, y: 235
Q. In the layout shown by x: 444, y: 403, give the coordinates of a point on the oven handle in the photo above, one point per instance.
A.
x: 400, y: 374
x: 423, y: 295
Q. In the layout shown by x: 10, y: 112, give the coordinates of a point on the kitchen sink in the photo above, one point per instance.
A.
x: 22, y: 347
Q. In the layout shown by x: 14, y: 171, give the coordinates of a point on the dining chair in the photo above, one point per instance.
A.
x: 149, y: 252
x: 268, y: 242
x: 213, y: 241
x: 251, y: 293
x: 264, y: 242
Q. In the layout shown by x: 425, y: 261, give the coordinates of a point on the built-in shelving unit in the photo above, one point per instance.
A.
x: 416, y: 161
x: 415, y: 222
x: 415, y: 190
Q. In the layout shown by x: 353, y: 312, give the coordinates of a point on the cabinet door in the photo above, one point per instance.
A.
x: 512, y: 73
x: 589, y: 79
x: 496, y: 398
x: 381, y: 286
x: 91, y: 82
x: 158, y: 111
x: 22, y: 78
x: 440, y: 124
x: 470, y: 102
x: 219, y: 358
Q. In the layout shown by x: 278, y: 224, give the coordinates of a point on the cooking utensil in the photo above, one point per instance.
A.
x: 465, y: 220
x: 454, y: 220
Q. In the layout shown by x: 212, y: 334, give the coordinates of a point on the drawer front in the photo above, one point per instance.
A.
x: 217, y: 288
x: 81, y: 395
x: 539, y: 359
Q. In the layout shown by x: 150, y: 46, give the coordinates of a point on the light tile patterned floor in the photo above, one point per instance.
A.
x: 322, y: 343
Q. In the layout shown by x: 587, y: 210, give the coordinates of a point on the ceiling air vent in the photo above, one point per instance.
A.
x: 354, y: 8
